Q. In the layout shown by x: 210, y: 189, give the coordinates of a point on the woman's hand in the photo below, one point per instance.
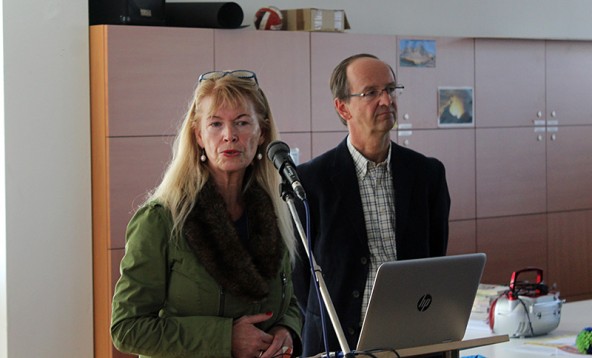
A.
x: 249, y: 341
x: 282, y: 340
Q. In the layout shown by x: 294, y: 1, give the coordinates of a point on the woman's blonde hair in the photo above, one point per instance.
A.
x: 186, y: 175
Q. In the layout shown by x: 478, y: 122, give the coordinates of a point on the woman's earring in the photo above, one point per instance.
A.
x: 203, y: 157
x: 259, y: 156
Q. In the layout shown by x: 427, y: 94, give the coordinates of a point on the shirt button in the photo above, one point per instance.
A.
x: 356, y: 294
x: 364, y: 260
x: 351, y: 331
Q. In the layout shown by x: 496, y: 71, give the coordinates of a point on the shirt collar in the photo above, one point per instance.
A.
x: 362, y: 163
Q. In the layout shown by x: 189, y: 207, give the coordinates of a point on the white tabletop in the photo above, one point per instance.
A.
x: 574, y: 317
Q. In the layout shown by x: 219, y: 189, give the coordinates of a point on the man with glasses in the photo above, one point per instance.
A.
x: 371, y: 201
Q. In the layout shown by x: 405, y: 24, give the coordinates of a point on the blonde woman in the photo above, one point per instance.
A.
x: 207, y: 267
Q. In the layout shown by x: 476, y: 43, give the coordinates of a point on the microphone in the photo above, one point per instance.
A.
x: 279, y: 153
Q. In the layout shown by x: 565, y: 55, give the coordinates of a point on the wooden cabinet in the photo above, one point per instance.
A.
x: 509, y: 83
x: 454, y: 67
x: 142, y: 62
x: 569, y: 82
x: 511, y: 176
x: 456, y: 149
x: 569, y: 168
x: 532, y: 143
x: 136, y: 166
x: 462, y: 237
x: 570, y: 253
x: 512, y: 243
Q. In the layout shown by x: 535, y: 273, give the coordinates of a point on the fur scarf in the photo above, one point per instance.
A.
x: 241, y: 269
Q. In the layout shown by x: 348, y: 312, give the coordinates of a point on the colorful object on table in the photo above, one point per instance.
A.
x: 527, y: 309
x: 584, y: 341
x: 268, y: 18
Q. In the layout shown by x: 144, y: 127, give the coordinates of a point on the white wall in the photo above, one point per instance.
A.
x: 549, y: 19
x: 46, y: 260
x: 45, y: 203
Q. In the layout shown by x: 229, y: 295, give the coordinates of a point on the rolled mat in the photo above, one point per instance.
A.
x: 222, y: 15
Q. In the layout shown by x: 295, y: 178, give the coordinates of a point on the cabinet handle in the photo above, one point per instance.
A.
x: 539, y: 114
x: 406, y: 116
x: 553, y: 114
x: 553, y: 137
x: 539, y: 137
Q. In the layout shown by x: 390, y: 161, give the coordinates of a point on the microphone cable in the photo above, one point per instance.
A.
x: 314, y: 276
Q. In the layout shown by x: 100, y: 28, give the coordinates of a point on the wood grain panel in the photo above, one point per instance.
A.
x: 152, y: 74
x: 462, y: 238
x: 511, y: 244
x: 137, y: 166
x: 302, y: 141
x: 569, y: 168
x: 456, y: 149
x: 324, y: 141
x: 569, y: 82
x: 570, y: 252
x: 511, y: 174
x: 281, y: 60
x: 327, y: 50
x: 100, y: 190
x: 455, y: 64
x: 509, y: 82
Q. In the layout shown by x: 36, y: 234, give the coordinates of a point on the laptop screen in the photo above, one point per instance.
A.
x: 421, y: 302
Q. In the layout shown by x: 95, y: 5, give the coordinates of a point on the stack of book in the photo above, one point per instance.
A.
x: 486, y: 294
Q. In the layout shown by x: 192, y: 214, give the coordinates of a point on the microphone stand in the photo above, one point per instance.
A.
x: 287, y: 195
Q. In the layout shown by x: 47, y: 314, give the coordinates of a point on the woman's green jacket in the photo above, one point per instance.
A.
x: 167, y: 305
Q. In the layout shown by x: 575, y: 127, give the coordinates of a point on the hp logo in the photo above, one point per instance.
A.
x: 424, y: 302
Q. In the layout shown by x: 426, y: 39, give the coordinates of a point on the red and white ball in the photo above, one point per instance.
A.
x: 268, y: 18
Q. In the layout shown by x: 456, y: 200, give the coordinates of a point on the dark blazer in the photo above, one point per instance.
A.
x: 338, y: 232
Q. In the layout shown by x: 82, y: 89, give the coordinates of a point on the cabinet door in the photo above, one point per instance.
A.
x: 136, y: 167
x: 462, y: 237
x: 511, y: 244
x: 511, y: 174
x: 327, y: 51
x: 569, y: 168
x: 454, y: 67
x: 569, y: 82
x: 324, y: 141
x: 148, y: 83
x: 281, y: 60
x: 509, y: 82
x: 570, y: 253
x: 456, y: 149
x: 299, y: 143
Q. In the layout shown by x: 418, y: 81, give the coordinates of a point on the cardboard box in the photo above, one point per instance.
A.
x: 314, y: 20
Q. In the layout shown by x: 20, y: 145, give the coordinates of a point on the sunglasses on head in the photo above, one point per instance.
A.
x: 214, y: 75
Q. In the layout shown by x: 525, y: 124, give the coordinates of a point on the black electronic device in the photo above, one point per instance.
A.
x: 127, y: 12
x: 222, y: 15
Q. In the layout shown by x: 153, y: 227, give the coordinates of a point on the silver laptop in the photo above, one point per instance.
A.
x: 421, y: 302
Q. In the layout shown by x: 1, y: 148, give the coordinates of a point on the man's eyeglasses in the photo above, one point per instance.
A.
x: 214, y: 75
x: 392, y: 90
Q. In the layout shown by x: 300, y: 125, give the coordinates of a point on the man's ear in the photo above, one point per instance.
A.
x: 342, y: 109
